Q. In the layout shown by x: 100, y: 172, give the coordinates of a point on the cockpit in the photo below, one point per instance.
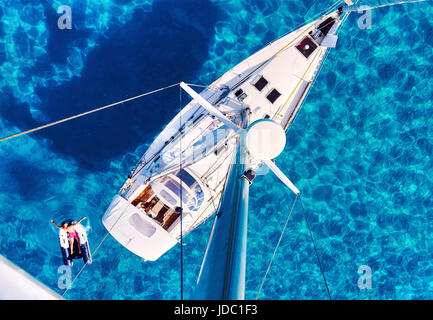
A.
x: 162, y: 196
x: 179, y: 190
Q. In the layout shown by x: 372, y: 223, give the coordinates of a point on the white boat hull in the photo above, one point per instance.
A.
x: 141, y: 231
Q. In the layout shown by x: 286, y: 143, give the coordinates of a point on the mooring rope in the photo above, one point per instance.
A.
x: 85, y: 265
x: 94, y: 251
x: 276, y: 247
x: 92, y: 111
x: 111, y: 270
x: 109, y: 273
x: 70, y: 286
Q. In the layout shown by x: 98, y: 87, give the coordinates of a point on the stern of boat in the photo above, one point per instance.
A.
x: 136, y: 231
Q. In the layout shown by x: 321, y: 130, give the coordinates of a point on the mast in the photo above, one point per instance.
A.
x: 222, y: 275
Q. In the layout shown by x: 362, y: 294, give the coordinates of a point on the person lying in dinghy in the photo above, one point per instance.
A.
x: 73, y: 235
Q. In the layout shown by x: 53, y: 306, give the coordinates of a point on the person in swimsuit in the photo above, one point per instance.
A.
x: 72, y: 234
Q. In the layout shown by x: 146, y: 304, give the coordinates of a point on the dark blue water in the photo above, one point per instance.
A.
x: 360, y: 150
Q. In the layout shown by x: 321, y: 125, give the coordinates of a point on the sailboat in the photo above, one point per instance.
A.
x: 205, y: 159
x: 180, y: 180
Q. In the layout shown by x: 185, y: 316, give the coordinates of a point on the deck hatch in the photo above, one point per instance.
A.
x: 142, y: 226
x: 273, y: 95
x: 306, y: 47
x: 261, y: 83
x: 240, y: 94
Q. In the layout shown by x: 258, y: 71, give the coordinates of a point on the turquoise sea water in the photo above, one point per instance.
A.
x: 360, y: 150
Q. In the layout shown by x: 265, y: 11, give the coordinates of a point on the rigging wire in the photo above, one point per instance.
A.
x: 213, y: 225
x: 276, y: 247
x: 315, y: 249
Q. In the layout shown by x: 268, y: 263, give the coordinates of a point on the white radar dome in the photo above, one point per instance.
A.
x: 265, y: 139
